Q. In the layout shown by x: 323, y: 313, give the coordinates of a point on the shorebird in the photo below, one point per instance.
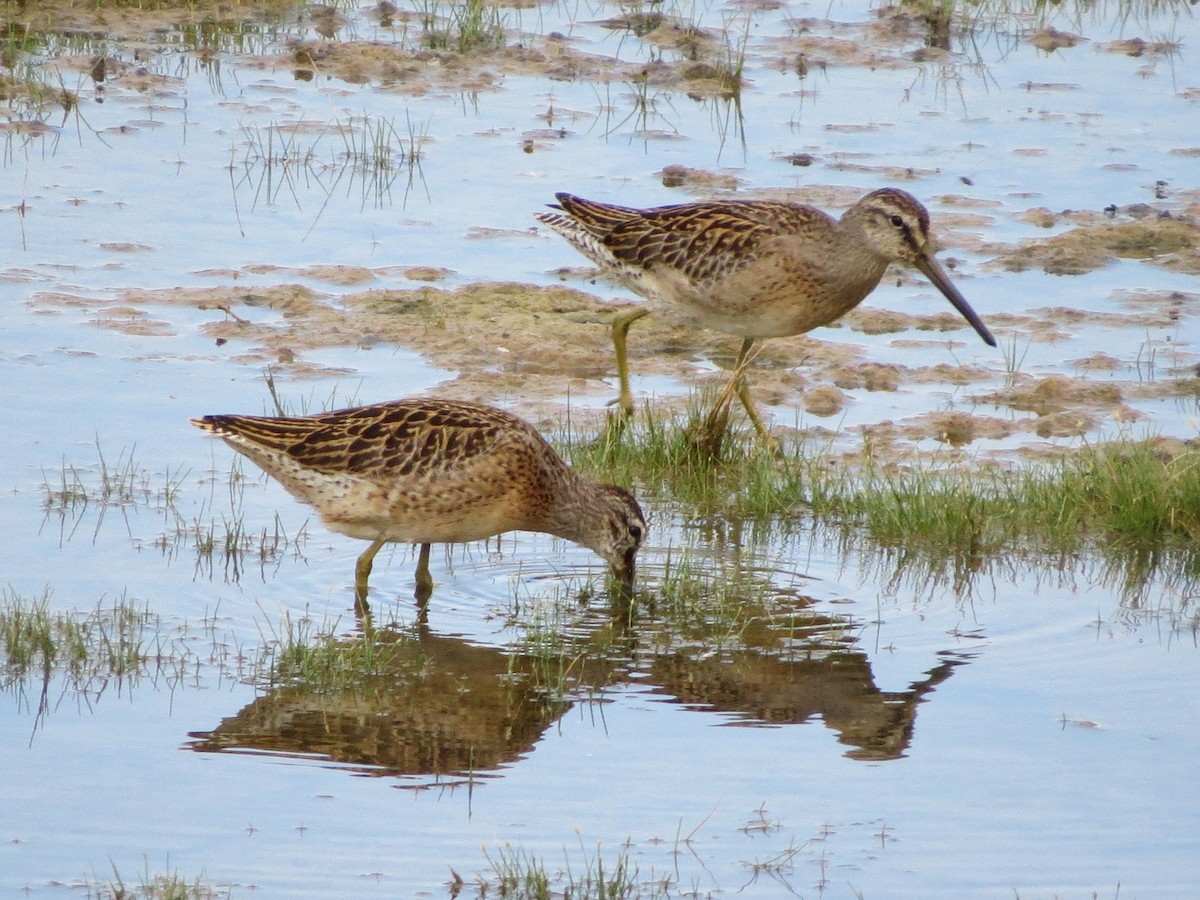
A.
x: 434, y: 471
x: 752, y: 268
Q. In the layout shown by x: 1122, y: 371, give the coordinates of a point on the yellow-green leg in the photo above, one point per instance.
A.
x: 424, y: 580
x: 362, y: 572
x: 620, y: 330
x: 743, y: 392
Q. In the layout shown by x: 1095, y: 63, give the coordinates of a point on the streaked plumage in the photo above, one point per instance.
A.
x: 433, y: 471
x: 752, y: 268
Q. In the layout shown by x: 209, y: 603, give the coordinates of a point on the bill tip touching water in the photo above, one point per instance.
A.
x: 425, y: 471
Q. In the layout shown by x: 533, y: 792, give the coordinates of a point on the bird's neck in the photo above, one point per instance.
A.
x: 858, y: 259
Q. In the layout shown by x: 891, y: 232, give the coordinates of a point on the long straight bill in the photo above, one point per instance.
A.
x: 935, y: 273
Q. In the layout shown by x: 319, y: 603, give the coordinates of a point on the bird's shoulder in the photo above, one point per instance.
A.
x: 711, y: 239
x: 403, y: 437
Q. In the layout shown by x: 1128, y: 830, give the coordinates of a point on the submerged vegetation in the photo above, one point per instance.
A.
x: 519, y: 874
x: 463, y: 25
x: 316, y: 656
x: 285, y: 161
x: 216, y: 531
x: 115, y: 646
x: 1136, y: 503
x: 158, y: 886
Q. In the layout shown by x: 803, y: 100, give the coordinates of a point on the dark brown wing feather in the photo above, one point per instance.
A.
x: 697, y: 239
x: 398, y: 437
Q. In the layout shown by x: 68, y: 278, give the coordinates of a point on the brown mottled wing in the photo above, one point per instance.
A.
x: 703, y: 241
x: 398, y: 438
x: 596, y: 217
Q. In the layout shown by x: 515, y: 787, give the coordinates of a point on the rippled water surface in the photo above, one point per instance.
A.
x: 842, y: 723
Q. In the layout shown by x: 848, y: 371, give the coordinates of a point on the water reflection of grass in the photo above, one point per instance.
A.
x: 216, y: 532
x: 316, y: 656
x: 941, y: 17
x: 117, y: 483
x: 116, y: 645
x: 157, y: 886
x: 1134, y: 504
x: 25, y: 86
x: 283, y: 160
x: 515, y: 872
x: 40, y: 71
x: 604, y: 874
x: 463, y: 26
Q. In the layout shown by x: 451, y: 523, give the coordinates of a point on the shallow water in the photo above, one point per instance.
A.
x: 864, y: 727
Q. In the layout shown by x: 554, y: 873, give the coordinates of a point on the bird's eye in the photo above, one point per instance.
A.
x: 635, y: 531
x: 898, y: 221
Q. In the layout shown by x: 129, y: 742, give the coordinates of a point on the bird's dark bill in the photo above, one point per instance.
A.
x: 935, y: 273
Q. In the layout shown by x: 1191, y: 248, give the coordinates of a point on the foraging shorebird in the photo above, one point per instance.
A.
x: 435, y: 471
x: 752, y: 268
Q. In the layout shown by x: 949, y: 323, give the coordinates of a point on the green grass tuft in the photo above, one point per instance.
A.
x: 1132, y: 502
x: 303, y: 653
x: 517, y: 873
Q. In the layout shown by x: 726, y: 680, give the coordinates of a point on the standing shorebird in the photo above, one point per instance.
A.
x: 752, y: 268
x: 435, y: 471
